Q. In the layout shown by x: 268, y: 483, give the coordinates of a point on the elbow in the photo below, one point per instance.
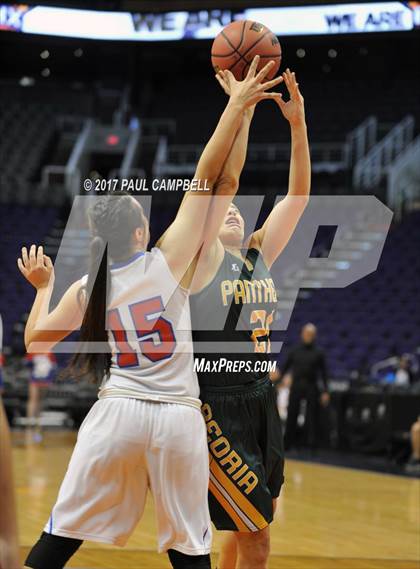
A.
x: 227, y: 185
x: 31, y: 338
x: 301, y: 196
x: 298, y: 200
x: 36, y: 343
x: 28, y: 340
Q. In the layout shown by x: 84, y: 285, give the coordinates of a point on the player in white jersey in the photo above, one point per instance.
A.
x: 146, y: 430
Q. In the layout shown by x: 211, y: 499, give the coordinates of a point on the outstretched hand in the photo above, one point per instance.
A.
x: 253, y: 88
x: 294, y: 109
x: 36, y: 267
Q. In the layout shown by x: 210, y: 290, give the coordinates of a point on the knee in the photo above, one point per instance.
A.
x: 262, y: 546
x: 255, y: 546
x: 52, y: 551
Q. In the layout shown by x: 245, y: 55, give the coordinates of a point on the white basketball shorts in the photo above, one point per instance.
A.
x: 124, y: 447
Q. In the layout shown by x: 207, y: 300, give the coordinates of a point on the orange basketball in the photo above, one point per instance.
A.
x: 239, y: 42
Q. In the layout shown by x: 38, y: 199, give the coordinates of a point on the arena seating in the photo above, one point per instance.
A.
x: 20, y: 225
x: 32, y: 132
x: 376, y: 317
x: 326, y: 120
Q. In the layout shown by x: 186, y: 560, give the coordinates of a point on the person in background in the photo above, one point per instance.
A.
x: 403, y: 373
x: 42, y: 368
x: 9, y: 547
x: 413, y: 465
x: 307, y: 365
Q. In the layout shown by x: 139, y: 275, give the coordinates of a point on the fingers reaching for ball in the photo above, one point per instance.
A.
x: 262, y: 74
x: 291, y: 83
x: 269, y: 84
x: 293, y: 110
x: 253, y: 88
x: 253, y: 67
x: 223, y: 81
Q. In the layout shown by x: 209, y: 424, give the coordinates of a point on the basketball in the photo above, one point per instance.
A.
x: 239, y: 42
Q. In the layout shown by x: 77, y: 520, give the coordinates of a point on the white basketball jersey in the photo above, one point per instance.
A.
x: 149, y: 333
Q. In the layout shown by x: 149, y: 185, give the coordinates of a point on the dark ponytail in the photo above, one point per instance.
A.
x: 94, y: 366
x: 113, y: 220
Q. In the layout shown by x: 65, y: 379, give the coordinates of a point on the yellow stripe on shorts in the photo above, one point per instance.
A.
x: 238, y: 498
x: 227, y: 507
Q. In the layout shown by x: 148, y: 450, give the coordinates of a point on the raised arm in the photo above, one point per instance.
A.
x: 227, y: 185
x: 182, y: 241
x: 228, y: 182
x: 280, y: 224
x: 235, y: 160
x: 41, y: 325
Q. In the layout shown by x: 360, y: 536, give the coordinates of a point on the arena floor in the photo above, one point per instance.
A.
x: 328, y: 517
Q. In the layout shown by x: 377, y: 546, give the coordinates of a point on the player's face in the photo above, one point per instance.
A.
x: 232, y: 231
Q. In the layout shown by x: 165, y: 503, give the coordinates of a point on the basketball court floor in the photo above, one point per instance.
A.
x: 327, y: 518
